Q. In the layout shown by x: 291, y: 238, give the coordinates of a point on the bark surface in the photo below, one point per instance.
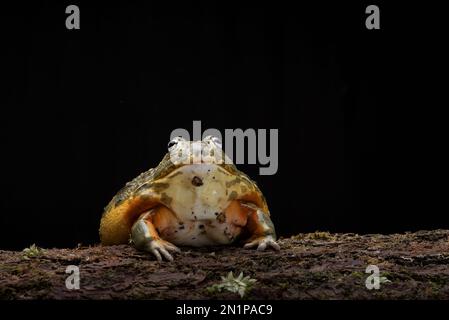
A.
x: 309, y: 266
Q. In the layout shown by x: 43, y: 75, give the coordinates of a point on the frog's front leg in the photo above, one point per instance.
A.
x: 145, y: 237
x: 261, y: 230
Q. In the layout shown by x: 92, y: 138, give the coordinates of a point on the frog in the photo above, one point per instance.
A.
x: 195, y: 197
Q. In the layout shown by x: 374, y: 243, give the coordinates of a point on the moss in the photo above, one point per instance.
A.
x: 16, y: 270
x: 436, y: 287
x: 317, y: 235
x: 359, y: 274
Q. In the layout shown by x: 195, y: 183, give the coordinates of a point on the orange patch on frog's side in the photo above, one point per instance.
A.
x: 164, y: 221
x: 115, y: 227
x: 236, y: 214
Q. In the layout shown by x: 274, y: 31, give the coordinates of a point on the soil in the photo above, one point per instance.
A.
x: 317, y: 265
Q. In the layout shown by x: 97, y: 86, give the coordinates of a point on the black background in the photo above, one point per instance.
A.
x: 87, y: 110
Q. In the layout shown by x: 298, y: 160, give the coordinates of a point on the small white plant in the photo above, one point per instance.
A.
x: 241, y: 285
x: 31, y: 252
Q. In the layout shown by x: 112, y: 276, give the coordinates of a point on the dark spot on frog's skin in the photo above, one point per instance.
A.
x: 231, y: 183
x: 232, y: 196
x: 212, y: 153
x: 194, y: 217
x: 221, y: 217
x: 196, y: 181
x: 216, y: 213
x: 181, y: 228
x: 145, y: 197
x: 201, y: 226
x: 193, y: 238
x: 181, y: 223
x: 213, y: 177
x: 165, y: 199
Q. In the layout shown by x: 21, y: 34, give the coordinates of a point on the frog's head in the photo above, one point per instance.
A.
x: 207, y: 151
x: 184, y: 153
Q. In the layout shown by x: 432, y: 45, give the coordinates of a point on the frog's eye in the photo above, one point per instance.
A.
x: 217, y: 141
x: 172, y: 143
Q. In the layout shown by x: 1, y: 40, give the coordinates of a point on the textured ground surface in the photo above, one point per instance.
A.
x: 309, y: 266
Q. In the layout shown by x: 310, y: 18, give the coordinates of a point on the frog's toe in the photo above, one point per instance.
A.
x: 262, y: 243
x: 271, y: 243
x: 160, y: 248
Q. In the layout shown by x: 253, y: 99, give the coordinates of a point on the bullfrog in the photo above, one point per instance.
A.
x: 195, y: 197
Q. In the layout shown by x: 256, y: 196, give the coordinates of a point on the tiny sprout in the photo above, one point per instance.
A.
x: 241, y: 285
x: 31, y: 252
x: 384, y: 280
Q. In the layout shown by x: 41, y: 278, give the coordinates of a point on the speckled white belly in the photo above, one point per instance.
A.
x: 199, y: 200
x: 198, y: 191
x: 203, y: 233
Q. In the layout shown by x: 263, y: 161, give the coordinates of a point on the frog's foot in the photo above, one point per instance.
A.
x: 160, y: 248
x: 261, y: 229
x: 145, y: 237
x: 262, y: 243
